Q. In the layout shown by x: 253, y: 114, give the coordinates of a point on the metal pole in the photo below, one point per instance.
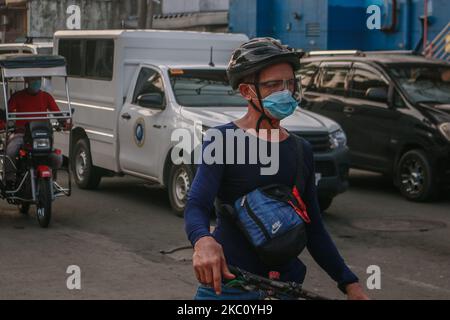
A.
x: 6, y: 127
x: 142, y: 14
x: 150, y: 14
x: 70, y: 137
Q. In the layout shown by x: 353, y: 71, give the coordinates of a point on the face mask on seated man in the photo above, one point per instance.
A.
x: 33, y: 85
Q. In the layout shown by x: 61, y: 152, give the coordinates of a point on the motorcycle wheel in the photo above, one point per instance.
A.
x: 44, y: 206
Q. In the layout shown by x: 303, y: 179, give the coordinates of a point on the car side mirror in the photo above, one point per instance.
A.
x: 379, y: 94
x: 151, y: 100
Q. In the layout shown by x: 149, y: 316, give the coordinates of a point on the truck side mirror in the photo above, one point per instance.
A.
x: 151, y: 100
x: 379, y: 94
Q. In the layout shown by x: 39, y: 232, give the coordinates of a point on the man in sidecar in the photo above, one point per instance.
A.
x: 30, y: 99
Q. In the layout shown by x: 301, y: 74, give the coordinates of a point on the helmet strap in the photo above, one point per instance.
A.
x: 261, y: 110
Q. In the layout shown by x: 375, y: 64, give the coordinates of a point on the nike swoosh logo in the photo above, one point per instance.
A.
x: 275, y: 228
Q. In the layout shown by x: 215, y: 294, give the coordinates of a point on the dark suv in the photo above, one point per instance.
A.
x: 395, y: 110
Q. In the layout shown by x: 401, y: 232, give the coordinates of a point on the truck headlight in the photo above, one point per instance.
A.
x: 444, y: 128
x: 338, y: 139
x: 41, y: 144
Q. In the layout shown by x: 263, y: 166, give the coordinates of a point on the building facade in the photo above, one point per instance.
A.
x: 13, y: 19
x: 39, y: 19
x: 198, y: 15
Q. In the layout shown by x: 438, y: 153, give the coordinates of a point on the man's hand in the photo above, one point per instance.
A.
x: 209, y: 263
x: 355, y: 292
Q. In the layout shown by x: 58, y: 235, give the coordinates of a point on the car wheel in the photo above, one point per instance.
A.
x: 86, y: 175
x: 415, y: 176
x: 180, y: 180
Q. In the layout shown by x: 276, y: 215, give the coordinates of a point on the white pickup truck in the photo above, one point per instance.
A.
x: 131, y: 89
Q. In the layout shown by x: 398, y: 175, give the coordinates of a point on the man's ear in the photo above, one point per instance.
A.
x: 245, y: 91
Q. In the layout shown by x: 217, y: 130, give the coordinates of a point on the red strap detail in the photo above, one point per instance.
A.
x: 301, y: 210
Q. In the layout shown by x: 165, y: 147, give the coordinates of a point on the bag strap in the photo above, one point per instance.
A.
x: 300, y: 206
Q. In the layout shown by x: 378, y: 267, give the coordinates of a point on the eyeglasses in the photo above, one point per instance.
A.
x: 279, y: 85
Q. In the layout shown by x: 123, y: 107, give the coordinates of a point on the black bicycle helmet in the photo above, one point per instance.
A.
x: 257, y: 54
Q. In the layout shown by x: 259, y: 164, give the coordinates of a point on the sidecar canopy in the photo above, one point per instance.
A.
x: 32, y: 65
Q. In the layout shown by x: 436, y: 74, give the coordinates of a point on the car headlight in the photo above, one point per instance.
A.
x: 444, y: 128
x: 41, y: 144
x: 338, y: 139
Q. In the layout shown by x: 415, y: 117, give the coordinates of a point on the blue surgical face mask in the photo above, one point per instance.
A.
x: 280, y: 104
x: 35, y: 86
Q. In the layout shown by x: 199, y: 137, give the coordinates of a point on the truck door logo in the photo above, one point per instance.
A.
x: 139, y: 132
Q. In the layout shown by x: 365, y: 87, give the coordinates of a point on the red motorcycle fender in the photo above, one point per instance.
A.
x: 44, y: 172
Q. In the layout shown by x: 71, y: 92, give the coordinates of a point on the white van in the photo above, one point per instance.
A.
x: 131, y: 89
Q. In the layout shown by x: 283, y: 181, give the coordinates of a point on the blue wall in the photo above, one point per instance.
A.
x: 346, y: 24
x: 342, y: 23
x: 243, y: 17
x: 276, y: 18
x: 409, y: 27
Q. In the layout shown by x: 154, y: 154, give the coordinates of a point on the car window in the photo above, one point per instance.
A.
x: 71, y: 50
x: 333, y: 80
x: 424, y: 83
x: 364, y: 79
x: 204, y: 88
x: 148, y: 81
x: 100, y: 58
x: 93, y: 58
x: 307, y: 75
x: 398, y: 100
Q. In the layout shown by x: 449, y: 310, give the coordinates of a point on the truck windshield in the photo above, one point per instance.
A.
x: 425, y: 83
x: 204, y: 88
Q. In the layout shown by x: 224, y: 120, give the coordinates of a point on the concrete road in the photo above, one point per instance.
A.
x: 115, y: 236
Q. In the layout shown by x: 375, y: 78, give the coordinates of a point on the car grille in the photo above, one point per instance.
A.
x: 320, y: 141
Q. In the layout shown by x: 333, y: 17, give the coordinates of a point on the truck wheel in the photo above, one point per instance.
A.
x: 86, y: 175
x: 180, y: 180
x: 415, y: 176
x: 325, y: 203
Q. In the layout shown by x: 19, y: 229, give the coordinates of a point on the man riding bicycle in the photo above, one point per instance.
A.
x: 264, y: 72
x: 30, y: 99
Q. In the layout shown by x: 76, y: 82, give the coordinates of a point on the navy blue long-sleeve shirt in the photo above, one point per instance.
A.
x: 228, y: 182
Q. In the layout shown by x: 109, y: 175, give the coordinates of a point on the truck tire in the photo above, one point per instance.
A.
x: 179, y: 183
x: 86, y: 175
x: 416, y: 177
x: 325, y: 203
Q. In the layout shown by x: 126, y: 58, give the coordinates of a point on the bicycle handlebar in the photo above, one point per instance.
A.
x: 278, y: 289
